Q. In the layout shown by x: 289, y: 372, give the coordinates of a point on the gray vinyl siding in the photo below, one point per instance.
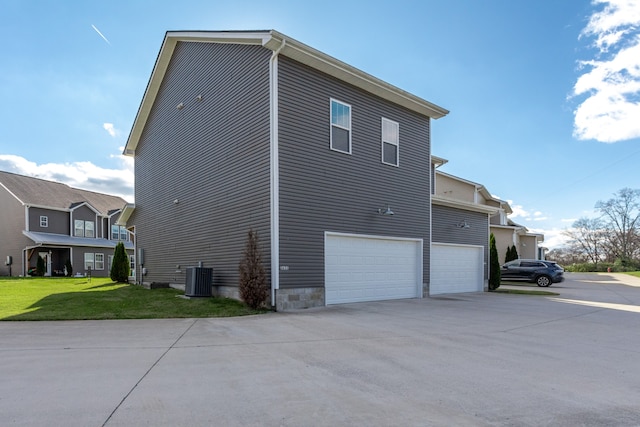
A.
x: 445, y: 230
x: 211, y: 156
x: 58, y: 221
x: 12, y: 241
x: 325, y: 190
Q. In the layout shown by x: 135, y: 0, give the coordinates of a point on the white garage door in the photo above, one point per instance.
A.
x: 369, y: 268
x: 456, y: 268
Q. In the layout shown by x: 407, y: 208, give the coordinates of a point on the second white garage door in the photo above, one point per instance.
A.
x: 370, y: 268
x: 456, y: 268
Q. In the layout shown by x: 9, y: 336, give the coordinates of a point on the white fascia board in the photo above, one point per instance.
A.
x: 345, y: 72
x: 88, y: 205
x: 293, y: 49
x: 127, y: 210
x: 11, y: 192
x: 457, y: 204
x: 31, y: 205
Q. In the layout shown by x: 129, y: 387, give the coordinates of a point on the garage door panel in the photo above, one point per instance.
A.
x: 359, y: 268
x: 456, y: 268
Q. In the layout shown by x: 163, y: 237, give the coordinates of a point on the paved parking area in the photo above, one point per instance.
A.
x: 464, y: 360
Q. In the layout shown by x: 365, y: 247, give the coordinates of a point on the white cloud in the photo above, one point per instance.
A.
x: 84, y: 175
x: 553, y: 238
x: 518, y: 211
x: 111, y: 129
x: 612, y: 80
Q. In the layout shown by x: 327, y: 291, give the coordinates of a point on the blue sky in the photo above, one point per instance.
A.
x: 544, y: 95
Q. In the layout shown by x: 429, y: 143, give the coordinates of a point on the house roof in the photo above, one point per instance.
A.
x: 280, y: 44
x: 459, y: 204
x: 49, y: 239
x: 481, y: 189
x: 55, y: 195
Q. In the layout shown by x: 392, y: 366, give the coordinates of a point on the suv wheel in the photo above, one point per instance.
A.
x: 543, y: 281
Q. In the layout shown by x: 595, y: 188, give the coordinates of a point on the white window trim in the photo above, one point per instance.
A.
x: 75, y: 228
x: 92, y: 231
x: 382, y: 142
x: 331, y: 125
x: 44, y: 221
x: 95, y: 261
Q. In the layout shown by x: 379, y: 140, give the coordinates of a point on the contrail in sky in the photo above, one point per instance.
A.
x: 101, y: 35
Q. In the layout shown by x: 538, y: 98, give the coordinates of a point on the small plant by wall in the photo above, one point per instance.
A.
x: 254, y: 289
x: 494, y: 265
x: 120, y: 265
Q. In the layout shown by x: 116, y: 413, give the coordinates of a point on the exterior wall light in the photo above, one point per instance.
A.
x: 386, y: 212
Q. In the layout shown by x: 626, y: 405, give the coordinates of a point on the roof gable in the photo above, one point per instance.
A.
x: 278, y: 43
x: 55, y: 195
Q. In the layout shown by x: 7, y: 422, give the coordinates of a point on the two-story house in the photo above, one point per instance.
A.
x: 255, y: 130
x: 51, y: 220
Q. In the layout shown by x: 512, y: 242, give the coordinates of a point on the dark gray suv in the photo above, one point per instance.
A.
x: 542, y: 273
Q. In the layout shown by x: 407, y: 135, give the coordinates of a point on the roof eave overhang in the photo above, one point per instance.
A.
x: 127, y: 210
x: 457, y: 204
x: 291, y: 48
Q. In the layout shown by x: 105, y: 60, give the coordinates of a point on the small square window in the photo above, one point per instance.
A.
x: 390, y: 142
x: 44, y: 221
x: 340, y: 126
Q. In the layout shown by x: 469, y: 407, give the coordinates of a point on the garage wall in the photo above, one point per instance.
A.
x: 444, y: 229
x: 322, y: 190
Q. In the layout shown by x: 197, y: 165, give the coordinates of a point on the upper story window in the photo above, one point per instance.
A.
x: 340, y: 126
x: 390, y: 142
x: 44, y: 221
x: 119, y: 233
x: 83, y: 228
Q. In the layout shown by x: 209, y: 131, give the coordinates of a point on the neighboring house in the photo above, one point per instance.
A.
x: 508, y: 233
x: 51, y: 220
x: 255, y: 130
x: 464, y: 214
x: 461, y: 213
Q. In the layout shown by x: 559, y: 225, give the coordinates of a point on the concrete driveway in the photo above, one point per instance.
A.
x: 463, y: 360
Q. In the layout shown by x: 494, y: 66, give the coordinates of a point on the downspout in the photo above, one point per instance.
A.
x: 274, y: 171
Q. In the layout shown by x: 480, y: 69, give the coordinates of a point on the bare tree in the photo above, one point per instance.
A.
x: 621, y: 215
x: 588, y: 236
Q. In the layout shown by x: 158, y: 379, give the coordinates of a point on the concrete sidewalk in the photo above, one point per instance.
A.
x: 470, y: 359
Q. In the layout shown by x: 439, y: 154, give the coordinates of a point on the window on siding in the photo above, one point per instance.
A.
x: 340, y: 127
x: 109, y: 261
x: 83, y: 228
x: 44, y: 221
x: 78, y: 227
x: 89, y: 229
x: 119, y: 233
x: 390, y: 142
x: 99, y: 261
x: 88, y: 261
x: 132, y: 264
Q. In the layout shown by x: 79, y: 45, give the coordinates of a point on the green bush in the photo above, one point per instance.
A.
x: 494, y: 264
x: 120, y: 265
x: 40, y: 268
x: 69, y: 268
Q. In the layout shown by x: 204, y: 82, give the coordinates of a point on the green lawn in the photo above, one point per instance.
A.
x: 81, y: 299
x: 634, y: 273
